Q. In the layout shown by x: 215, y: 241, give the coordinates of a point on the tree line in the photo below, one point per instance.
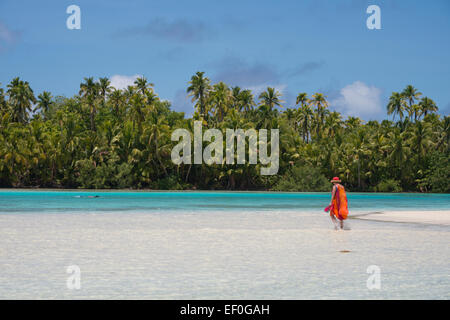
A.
x: 104, y: 137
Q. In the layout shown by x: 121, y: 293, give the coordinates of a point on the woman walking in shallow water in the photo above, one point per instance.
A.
x: 338, y: 205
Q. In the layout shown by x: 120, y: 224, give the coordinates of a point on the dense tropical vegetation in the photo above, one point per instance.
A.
x: 109, y: 138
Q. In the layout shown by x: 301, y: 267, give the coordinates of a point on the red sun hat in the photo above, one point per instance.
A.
x: 335, y: 179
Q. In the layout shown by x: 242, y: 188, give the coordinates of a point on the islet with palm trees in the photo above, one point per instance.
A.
x: 107, y: 138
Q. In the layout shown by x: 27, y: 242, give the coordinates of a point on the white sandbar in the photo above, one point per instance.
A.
x: 428, y: 217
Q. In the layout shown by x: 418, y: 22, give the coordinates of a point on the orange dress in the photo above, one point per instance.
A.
x: 339, y: 205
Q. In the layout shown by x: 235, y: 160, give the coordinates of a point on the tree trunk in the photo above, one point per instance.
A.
x: 359, y: 175
x: 189, y: 171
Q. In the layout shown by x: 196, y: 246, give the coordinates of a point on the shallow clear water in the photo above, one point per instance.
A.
x: 79, y: 201
x: 210, y: 245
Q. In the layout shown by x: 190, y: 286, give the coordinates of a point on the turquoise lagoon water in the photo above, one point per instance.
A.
x: 217, y: 245
x: 80, y: 201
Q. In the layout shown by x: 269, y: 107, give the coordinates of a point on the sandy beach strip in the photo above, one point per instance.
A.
x: 427, y: 217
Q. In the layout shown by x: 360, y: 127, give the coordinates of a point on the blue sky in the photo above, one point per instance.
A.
x: 293, y: 45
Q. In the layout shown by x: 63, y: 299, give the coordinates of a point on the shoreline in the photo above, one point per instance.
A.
x: 364, y: 209
x: 206, y: 190
x: 432, y: 217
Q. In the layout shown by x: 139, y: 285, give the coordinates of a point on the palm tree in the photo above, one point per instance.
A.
x: 305, y: 116
x: 319, y: 100
x: 123, y: 142
x: 265, y: 116
x: 290, y: 115
x: 143, y: 85
x: 235, y: 98
x: 270, y: 98
x: 302, y: 99
x: 155, y: 139
x: 104, y: 88
x: 421, y: 139
x: 44, y: 102
x: 246, y: 100
x: 129, y: 92
x: 352, y: 123
x: 151, y: 98
x: 2, y: 101
x: 396, y: 105
x: 21, y: 98
x: 416, y: 110
x: 117, y: 100
x: 444, y: 135
x: 199, y: 89
x: 359, y: 147
x: 14, y: 155
x: 378, y: 146
x: 89, y: 91
x: 220, y: 98
x: 89, y: 88
x: 410, y: 94
x: 137, y: 104
x: 427, y: 105
x: 333, y: 123
x: 398, y: 150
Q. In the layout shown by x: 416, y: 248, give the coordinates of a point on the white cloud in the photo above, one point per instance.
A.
x: 359, y: 100
x: 122, y: 82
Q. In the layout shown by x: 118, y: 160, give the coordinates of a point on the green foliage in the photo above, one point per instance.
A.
x: 389, y: 185
x: 169, y: 183
x: 439, y: 172
x: 85, y: 174
x: 305, y: 178
x: 108, y: 138
x: 105, y: 176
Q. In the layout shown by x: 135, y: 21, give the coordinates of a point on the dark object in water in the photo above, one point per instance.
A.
x: 344, y: 251
x: 96, y: 196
